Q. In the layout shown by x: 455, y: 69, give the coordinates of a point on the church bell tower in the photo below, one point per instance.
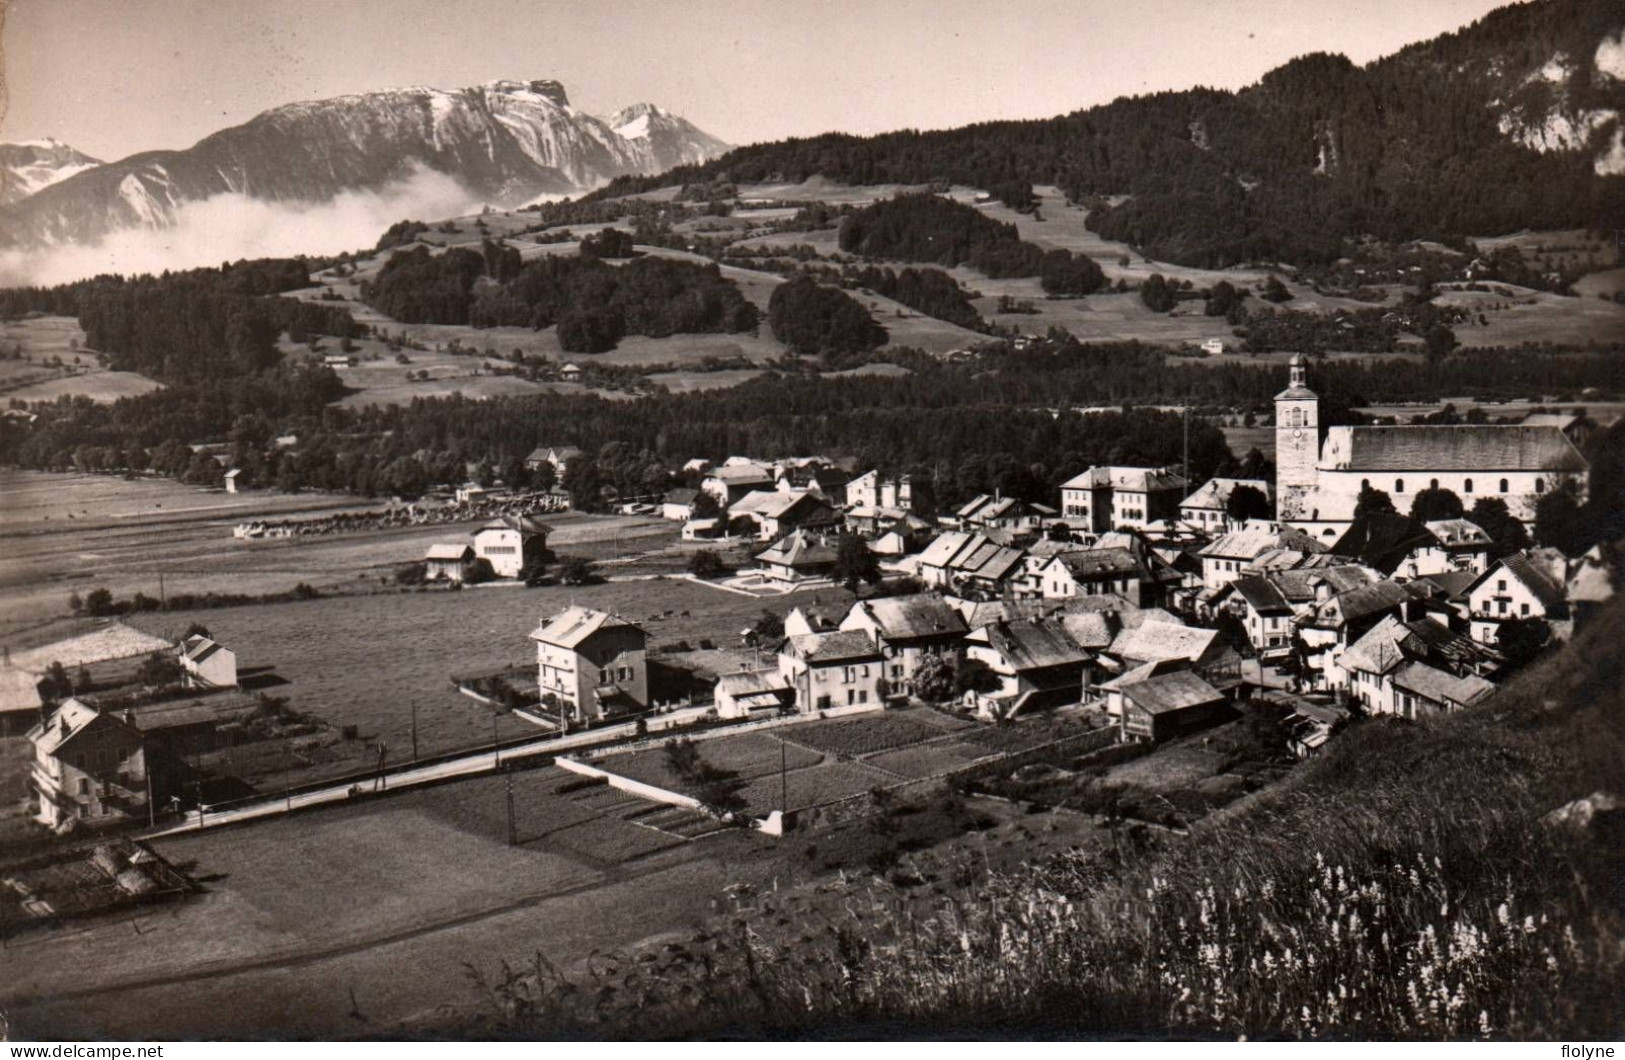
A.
x: 1297, y: 445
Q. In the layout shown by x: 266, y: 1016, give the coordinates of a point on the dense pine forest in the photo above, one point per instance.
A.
x: 1407, y: 147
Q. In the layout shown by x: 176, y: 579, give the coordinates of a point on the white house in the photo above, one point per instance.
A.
x: 731, y: 482
x: 837, y: 669
x: 777, y: 512
x: 678, y: 505
x: 448, y: 561
x: 1037, y: 662
x: 795, y: 558
x: 208, y: 663
x: 874, y: 490
x: 1092, y: 572
x: 1112, y: 498
x: 89, y: 767
x: 968, y: 563
x: 1207, y: 509
x: 740, y: 694
x: 1229, y: 556
x: 909, y: 630
x: 1458, y: 545
x: 1409, y: 668
x: 510, y: 542
x: 1515, y: 587
x: 593, y: 662
x: 1263, y: 609
x: 555, y: 456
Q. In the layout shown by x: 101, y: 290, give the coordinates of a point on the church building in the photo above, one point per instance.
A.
x: 1320, y: 472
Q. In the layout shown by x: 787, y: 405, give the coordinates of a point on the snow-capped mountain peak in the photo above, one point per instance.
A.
x: 26, y: 166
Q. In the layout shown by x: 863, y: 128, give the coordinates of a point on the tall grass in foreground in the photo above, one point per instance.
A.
x: 1404, y: 885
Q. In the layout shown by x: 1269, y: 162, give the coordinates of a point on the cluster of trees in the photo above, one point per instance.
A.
x: 1016, y: 194
x: 400, y: 234
x: 1318, y: 150
x: 930, y: 291
x: 593, y: 303
x: 929, y: 228
x: 818, y: 321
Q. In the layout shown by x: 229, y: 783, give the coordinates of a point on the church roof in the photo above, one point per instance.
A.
x: 1465, y: 447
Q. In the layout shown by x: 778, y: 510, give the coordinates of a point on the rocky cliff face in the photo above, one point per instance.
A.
x: 507, y: 142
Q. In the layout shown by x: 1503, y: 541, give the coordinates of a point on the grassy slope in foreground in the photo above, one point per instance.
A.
x: 1402, y: 885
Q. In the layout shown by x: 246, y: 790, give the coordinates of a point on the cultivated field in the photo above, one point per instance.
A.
x: 367, y: 660
x: 26, y: 374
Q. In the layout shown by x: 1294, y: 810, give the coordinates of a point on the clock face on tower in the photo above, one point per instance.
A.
x: 1297, y: 432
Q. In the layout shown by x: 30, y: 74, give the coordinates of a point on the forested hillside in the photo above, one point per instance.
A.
x: 203, y: 324
x: 1431, y: 142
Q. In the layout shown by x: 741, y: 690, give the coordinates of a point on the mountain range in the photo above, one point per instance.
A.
x: 506, y: 142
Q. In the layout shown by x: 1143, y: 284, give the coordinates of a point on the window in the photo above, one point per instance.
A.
x: 1540, y: 485
x: 1501, y: 585
x: 1399, y: 485
x: 863, y: 696
x: 1503, y: 485
x: 1523, y: 609
x: 1501, y: 606
x: 851, y: 697
x: 1467, y: 486
x: 603, y: 677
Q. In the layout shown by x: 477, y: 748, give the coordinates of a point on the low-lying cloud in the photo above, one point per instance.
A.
x: 230, y: 226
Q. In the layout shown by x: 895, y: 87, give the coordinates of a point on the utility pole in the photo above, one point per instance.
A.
x: 513, y: 831
x: 784, y: 779
x: 414, y: 731
x: 152, y: 810
x: 496, y: 748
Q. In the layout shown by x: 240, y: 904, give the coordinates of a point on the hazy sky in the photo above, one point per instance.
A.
x: 113, y: 77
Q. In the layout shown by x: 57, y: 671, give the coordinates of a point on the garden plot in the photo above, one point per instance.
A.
x: 930, y: 760
x: 816, y: 786
x: 853, y: 738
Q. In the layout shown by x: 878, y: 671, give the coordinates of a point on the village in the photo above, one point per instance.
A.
x: 1006, y: 649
